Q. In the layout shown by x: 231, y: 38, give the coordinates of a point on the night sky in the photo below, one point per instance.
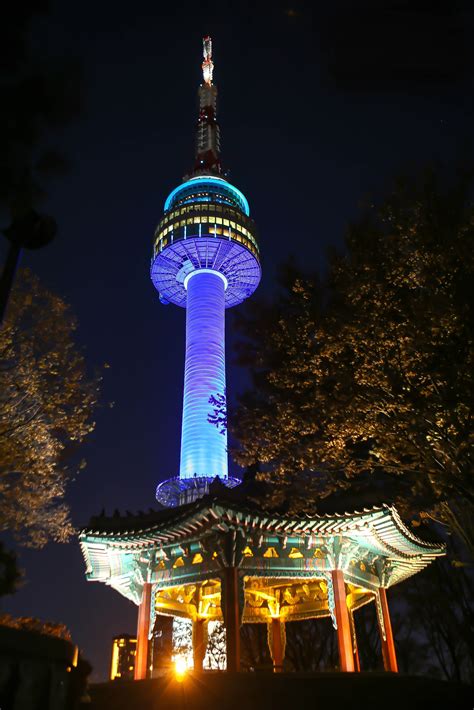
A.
x: 320, y: 105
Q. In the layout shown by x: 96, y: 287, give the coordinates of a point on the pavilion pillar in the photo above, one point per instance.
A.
x: 199, y: 643
x: 231, y: 609
x: 386, y: 633
x: 355, y: 648
x: 143, y: 631
x: 344, y: 640
x: 276, y: 635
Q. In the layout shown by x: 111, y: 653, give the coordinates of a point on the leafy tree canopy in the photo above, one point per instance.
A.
x: 368, y: 376
x: 47, y: 401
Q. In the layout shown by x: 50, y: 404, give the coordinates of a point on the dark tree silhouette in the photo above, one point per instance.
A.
x: 218, y: 417
x: 38, y: 99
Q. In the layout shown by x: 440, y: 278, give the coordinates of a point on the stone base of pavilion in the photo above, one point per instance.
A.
x: 295, y: 691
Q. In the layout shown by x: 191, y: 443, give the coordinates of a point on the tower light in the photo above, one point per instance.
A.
x: 205, y: 259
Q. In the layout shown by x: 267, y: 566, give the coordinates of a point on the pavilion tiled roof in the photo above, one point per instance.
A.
x: 164, y: 526
x: 111, y: 543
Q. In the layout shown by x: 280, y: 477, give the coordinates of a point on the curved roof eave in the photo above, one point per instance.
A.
x: 381, y: 523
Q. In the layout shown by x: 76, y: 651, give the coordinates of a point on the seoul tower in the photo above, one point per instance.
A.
x: 205, y: 259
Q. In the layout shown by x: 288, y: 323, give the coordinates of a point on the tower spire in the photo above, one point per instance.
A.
x: 208, y: 64
x: 208, y: 132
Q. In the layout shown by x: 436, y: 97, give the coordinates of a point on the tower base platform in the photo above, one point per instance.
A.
x: 179, y: 491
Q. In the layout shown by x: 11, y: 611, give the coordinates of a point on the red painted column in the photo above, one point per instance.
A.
x: 388, y: 644
x: 232, y: 618
x: 344, y: 640
x: 143, y: 629
x: 277, y: 646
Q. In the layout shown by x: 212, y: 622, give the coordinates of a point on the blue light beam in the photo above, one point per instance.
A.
x: 203, y: 446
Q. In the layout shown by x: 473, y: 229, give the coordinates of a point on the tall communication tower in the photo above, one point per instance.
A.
x: 205, y: 259
x: 201, y: 571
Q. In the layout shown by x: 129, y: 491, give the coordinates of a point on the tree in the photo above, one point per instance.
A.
x: 9, y: 573
x: 28, y: 623
x: 311, y: 645
x: 436, y: 610
x: 371, y: 373
x: 38, y: 98
x: 47, y: 401
x: 216, y: 647
x: 218, y: 416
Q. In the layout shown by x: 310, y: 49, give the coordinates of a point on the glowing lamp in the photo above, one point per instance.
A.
x: 180, y: 669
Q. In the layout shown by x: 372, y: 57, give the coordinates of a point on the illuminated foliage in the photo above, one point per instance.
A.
x: 372, y: 373
x: 47, y: 401
x: 183, y: 641
x: 27, y: 623
x: 215, y: 658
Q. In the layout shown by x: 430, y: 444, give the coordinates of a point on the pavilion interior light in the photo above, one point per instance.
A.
x: 180, y: 668
x: 295, y: 553
x: 211, y: 595
x: 271, y: 552
x: 203, y: 609
x: 263, y: 595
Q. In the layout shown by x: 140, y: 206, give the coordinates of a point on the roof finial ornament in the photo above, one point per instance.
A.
x: 207, y: 65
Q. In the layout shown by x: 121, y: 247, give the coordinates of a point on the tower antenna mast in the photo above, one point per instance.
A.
x: 207, y: 65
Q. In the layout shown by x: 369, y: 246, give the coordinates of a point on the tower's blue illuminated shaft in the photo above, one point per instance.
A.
x: 205, y: 259
x: 204, y: 447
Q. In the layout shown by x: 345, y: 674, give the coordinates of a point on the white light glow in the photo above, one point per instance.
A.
x: 205, y: 271
x: 180, y: 667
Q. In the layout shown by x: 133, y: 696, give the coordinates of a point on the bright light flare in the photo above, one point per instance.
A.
x: 180, y: 668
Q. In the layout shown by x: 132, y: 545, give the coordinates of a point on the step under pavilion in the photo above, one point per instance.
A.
x: 224, y: 558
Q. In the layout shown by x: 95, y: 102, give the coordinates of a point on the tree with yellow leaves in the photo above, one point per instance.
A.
x: 47, y: 401
x: 371, y: 376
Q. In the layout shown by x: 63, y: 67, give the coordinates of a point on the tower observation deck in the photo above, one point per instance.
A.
x: 205, y: 259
